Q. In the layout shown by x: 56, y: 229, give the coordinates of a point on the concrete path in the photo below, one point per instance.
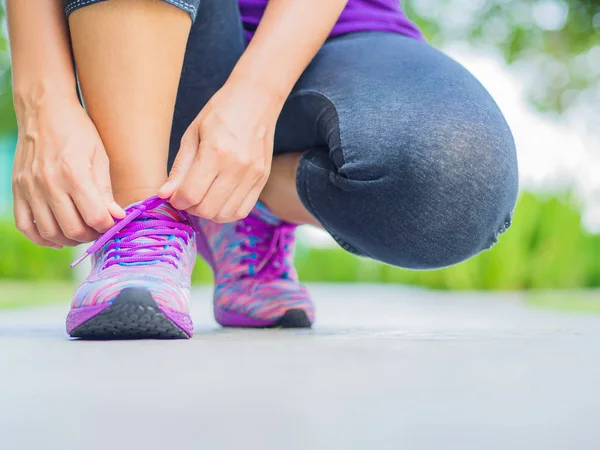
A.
x: 385, y: 368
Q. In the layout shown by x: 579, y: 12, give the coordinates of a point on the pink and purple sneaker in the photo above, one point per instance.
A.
x: 139, y: 286
x: 256, y: 284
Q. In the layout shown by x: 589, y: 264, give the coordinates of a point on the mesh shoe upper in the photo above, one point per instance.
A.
x: 253, y: 264
x: 153, y: 247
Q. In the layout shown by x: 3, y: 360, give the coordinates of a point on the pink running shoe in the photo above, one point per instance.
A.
x: 256, y: 284
x: 139, y: 287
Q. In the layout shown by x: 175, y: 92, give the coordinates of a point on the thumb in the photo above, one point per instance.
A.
x: 187, y: 152
x: 103, y: 182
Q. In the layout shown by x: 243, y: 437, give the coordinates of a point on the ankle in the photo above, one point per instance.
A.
x: 280, y: 195
x: 127, y: 197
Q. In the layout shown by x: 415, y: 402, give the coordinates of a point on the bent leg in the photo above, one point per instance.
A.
x: 411, y: 162
x: 129, y: 57
x: 215, y: 44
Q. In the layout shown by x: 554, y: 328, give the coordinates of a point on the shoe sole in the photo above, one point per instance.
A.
x: 293, y: 318
x: 132, y: 315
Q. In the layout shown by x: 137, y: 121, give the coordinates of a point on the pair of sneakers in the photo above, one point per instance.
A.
x: 140, y: 282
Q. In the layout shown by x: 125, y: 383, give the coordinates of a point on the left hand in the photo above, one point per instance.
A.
x: 225, y: 156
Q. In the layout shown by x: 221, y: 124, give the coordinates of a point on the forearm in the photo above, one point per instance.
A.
x: 289, y: 36
x: 41, y: 52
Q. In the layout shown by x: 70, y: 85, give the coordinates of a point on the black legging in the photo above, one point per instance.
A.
x: 409, y: 160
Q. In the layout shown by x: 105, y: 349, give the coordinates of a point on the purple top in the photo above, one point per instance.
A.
x: 359, y: 15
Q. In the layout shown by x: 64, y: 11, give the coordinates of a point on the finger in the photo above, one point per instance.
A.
x: 69, y: 220
x: 235, y: 207
x: 221, y: 191
x: 102, y: 179
x: 24, y: 222
x: 90, y: 203
x: 46, y: 223
x: 116, y: 210
x: 249, y: 192
x: 197, y: 182
x: 249, y: 203
x: 182, y: 164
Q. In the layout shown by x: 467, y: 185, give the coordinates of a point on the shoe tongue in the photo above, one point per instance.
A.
x: 164, y: 209
x: 168, y: 211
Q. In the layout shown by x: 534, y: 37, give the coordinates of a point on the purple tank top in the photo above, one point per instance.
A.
x: 359, y: 15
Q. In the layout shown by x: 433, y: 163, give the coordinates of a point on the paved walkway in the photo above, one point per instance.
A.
x: 385, y: 368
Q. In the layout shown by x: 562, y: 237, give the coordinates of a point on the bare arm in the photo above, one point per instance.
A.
x: 226, y: 153
x: 61, y: 181
x: 288, y: 37
x: 41, y: 52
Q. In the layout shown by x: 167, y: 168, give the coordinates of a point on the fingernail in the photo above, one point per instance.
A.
x: 164, y: 190
x: 116, y: 211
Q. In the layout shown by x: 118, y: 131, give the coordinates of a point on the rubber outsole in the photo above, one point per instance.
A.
x: 293, y: 318
x: 133, y: 315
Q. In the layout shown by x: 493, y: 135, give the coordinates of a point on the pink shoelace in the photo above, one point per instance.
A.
x: 268, y: 259
x: 141, y: 221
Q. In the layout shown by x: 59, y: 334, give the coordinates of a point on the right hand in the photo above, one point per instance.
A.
x: 61, y: 181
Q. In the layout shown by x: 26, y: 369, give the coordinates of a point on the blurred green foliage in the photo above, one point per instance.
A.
x: 546, y: 249
x: 16, y: 294
x: 8, y: 121
x: 24, y: 260
x: 557, y: 42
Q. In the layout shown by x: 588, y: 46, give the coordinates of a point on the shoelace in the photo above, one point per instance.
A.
x: 269, y: 254
x: 161, y: 231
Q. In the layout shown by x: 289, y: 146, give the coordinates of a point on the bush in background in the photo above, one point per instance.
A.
x: 22, y: 260
x: 546, y: 248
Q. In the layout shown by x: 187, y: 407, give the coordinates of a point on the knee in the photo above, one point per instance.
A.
x: 438, y: 196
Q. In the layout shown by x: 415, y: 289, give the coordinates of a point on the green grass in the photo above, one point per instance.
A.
x: 22, y: 260
x: 570, y: 301
x: 546, y: 248
x: 20, y: 294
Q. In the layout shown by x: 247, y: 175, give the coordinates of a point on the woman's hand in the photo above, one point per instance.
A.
x: 225, y: 155
x: 61, y: 181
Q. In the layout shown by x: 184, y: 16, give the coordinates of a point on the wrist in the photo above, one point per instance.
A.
x: 34, y: 96
x: 261, y: 78
x: 253, y: 93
